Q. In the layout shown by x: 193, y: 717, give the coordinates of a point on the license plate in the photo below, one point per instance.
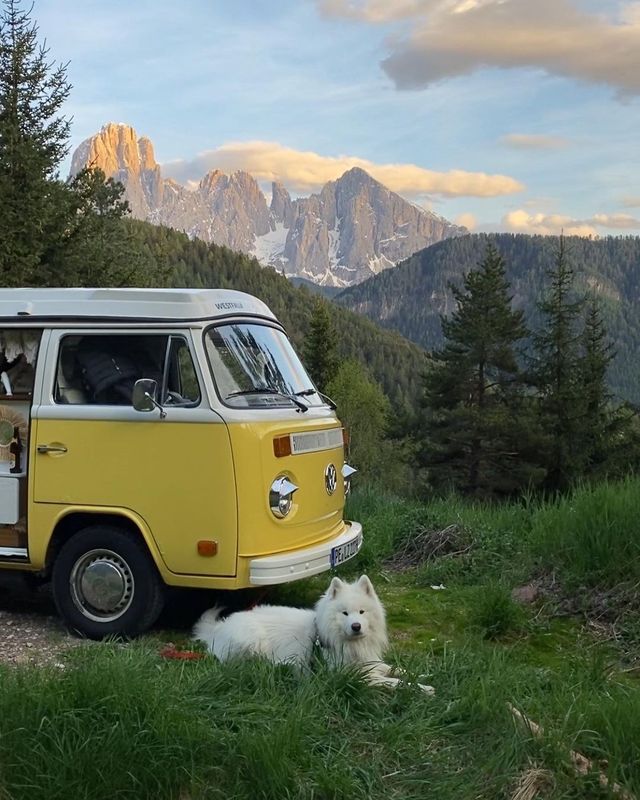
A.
x: 343, y: 552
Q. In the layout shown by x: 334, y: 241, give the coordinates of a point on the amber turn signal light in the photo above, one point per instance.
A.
x: 282, y: 446
x: 207, y: 547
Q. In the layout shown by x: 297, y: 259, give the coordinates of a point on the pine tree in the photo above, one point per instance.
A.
x: 321, y: 346
x: 53, y: 233
x: 476, y: 426
x: 558, y: 376
x: 101, y: 249
x: 33, y: 141
x: 601, y: 423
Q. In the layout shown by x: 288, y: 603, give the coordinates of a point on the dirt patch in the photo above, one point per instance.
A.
x: 525, y: 595
x: 599, y: 605
x: 30, y: 630
x: 33, y: 639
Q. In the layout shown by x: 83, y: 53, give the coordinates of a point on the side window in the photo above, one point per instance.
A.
x: 181, y: 380
x: 101, y: 369
x: 18, y: 353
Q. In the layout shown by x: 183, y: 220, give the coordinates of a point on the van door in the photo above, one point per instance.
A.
x: 94, y: 449
x: 18, y: 353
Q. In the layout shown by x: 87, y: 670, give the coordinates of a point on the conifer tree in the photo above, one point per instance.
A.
x: 53, y: 233
x: 601, y: 423
x: 558, y: 374
x: 321, y: 346
x: 477, y: 427
x: 610, y: 429
x: 101, y: 249
x: 33, y: 141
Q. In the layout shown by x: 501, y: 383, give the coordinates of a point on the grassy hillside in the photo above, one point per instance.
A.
x: 119, y: 720
x: 394, y: 362
x: 411, y: 297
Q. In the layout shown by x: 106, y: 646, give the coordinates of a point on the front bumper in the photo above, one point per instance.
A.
x: 297, y: 564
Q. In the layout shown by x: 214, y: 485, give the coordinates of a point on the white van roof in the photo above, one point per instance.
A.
x: 157, y: 305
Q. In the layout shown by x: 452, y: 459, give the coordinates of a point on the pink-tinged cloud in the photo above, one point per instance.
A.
x: 620, y: 221
x: 534, y: 141
x: 376, y: 11
x: 467, y: 221
x: 305, y: 171
x: 450, y: 38
x: 521, y: 221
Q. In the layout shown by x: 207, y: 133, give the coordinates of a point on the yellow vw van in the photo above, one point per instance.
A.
x: 153, y: 437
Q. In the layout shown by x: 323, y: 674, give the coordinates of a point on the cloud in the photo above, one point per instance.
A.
x: 631, y: 201
x: 621, y: 221
x: 448, y: 38
x: 467, y: 220
x: 373, y: 10
x: 534, y: 141
x: 521, y: 221
x: 305, y: 171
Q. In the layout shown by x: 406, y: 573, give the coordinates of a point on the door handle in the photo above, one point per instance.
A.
x: 51, y: 448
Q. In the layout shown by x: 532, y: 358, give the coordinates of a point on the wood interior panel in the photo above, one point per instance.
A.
x: 13, y: 535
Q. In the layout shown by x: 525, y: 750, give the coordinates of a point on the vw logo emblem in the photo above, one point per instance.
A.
x: 330, y: 479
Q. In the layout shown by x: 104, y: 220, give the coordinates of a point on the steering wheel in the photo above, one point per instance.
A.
x: 173, y: 398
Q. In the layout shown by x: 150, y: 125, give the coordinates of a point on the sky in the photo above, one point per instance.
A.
x: 510, y: 115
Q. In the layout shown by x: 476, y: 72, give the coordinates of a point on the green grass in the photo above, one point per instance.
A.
x: 591, y: 536
x: 121, y: 721
x: 495, y: 613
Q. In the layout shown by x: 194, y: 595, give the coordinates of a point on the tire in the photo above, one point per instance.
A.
x: 106, y: 584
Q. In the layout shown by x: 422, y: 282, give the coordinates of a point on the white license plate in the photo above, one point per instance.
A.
x: 343, y: 552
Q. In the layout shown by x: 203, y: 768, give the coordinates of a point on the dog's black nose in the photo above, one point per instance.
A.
x: 356, y: 627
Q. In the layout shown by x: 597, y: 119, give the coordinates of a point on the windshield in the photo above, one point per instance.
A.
x: 255, y: 366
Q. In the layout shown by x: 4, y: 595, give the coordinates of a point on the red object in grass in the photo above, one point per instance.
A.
x: 170, y: 651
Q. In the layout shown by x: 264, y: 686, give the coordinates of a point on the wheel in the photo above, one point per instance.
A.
x: 106, y: 584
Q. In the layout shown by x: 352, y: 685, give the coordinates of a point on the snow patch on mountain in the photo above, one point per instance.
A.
x: 269, y: 248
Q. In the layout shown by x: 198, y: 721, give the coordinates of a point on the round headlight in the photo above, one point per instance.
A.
x: 281, y: 496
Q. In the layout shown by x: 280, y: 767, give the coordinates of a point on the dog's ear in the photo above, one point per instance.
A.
x: 334, y: 587
x: 365, y: 583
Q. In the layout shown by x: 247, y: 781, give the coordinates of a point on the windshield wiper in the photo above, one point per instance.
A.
x: 306, y: 392
x: 268, y: 390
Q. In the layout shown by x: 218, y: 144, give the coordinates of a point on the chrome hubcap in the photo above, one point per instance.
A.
x: 102, y: 585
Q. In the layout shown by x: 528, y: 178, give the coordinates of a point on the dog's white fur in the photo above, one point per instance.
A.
x: 348, y: 622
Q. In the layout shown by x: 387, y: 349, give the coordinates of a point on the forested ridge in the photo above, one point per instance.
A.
x: 412, y: 297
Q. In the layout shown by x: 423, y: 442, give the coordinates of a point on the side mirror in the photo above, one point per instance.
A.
x: 144, y: 396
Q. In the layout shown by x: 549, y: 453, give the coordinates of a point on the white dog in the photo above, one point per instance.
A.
x: 348, y: 623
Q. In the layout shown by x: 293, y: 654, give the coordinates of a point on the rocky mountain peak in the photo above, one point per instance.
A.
x: 115, y: 148
x: 356, y: 178
x: 351, y: 229
x: 281, y: 204
x: 120, y: 154
x: 147, y: 156
x: 211, y: 180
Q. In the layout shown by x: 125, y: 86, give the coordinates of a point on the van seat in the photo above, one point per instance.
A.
x: 68, y: 386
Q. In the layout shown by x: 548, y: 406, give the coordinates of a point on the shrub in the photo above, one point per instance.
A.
x: 494, y: 611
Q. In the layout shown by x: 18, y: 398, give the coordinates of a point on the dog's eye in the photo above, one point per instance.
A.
x: 362, y: 611
x: 346, y: 613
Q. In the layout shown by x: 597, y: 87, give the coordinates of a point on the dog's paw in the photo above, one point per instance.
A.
x: 427, y: 689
